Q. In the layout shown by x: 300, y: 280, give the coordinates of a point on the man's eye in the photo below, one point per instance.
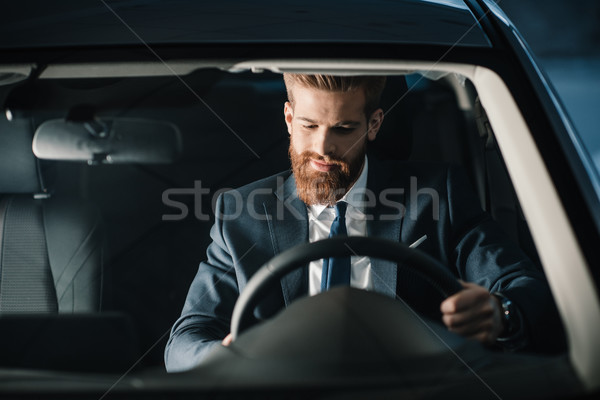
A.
x: 309, y: 126
x: 343, y: 129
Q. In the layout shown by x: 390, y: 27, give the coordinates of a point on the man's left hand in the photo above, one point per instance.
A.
x: 473, y: 313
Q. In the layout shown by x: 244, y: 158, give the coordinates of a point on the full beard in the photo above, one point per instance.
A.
x: 316, y: 187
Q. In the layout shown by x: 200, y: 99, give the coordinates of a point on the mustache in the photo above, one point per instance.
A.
x: 307, y: 156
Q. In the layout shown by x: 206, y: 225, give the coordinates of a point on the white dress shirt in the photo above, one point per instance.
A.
x: 320, y: 219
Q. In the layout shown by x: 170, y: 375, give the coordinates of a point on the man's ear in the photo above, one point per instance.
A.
x: 288, y: 112
x: 374, y: 124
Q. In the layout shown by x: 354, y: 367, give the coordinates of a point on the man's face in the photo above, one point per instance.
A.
x: 328, y: 136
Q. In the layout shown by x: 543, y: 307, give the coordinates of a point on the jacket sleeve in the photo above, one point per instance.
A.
x: 484, y: 254
x: 206, y: 315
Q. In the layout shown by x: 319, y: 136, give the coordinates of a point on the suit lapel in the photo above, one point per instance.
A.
x: 386, y: 223
x: 289, y: 227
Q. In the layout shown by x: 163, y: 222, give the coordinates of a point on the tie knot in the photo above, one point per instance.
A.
x: 340, y: 209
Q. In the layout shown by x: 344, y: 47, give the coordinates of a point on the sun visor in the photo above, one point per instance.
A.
x: 108, y: 141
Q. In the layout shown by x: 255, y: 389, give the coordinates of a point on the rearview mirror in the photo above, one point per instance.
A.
x: 108, y: 141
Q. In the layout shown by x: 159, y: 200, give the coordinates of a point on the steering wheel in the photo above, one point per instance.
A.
x: 429, y: 269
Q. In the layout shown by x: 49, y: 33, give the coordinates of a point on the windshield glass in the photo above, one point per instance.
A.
x: 232, y: 130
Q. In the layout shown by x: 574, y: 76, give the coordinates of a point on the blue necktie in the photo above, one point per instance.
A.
x: 336, y: 270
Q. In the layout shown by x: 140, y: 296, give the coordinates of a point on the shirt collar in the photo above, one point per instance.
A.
x: 354, y: 197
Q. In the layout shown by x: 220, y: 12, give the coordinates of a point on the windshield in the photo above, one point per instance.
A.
x: 156, y: 218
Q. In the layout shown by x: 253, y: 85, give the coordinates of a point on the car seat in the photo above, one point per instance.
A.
x: 51, y: 248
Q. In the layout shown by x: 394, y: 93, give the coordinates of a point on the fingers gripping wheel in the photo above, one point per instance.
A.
x: 430, y: 270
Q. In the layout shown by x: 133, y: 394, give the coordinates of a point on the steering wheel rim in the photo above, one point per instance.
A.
x: 428, y: 268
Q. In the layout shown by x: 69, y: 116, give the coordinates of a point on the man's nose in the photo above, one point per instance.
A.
x: 324, y: 142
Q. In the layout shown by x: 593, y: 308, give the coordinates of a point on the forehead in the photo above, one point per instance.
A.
x: 325, y: 103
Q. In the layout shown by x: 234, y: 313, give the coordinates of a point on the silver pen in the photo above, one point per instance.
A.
x: 418, y: 242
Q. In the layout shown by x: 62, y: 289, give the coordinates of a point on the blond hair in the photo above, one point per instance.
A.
x: 372, y: 86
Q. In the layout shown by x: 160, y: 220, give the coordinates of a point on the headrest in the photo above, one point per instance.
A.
x: 394, y: 140
x: 18, y: 165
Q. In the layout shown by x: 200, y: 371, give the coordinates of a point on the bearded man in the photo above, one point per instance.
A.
x: 330, y: 120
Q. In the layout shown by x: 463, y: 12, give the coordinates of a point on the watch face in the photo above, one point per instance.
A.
x: 507, y: 307
x: 510, y: 317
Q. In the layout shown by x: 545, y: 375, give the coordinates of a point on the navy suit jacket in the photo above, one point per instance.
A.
x: 409, y: 200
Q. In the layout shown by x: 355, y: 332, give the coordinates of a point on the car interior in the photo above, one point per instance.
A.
x: 106, y: 248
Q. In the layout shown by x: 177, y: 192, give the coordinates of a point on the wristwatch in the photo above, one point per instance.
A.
x: 513, y: 337
x: 510, y: 320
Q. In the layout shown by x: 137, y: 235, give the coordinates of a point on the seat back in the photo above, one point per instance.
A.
x: 26, y: 283
x: 75, y: 242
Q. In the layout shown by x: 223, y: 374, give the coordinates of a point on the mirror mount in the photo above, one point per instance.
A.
x: 86, y: 115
